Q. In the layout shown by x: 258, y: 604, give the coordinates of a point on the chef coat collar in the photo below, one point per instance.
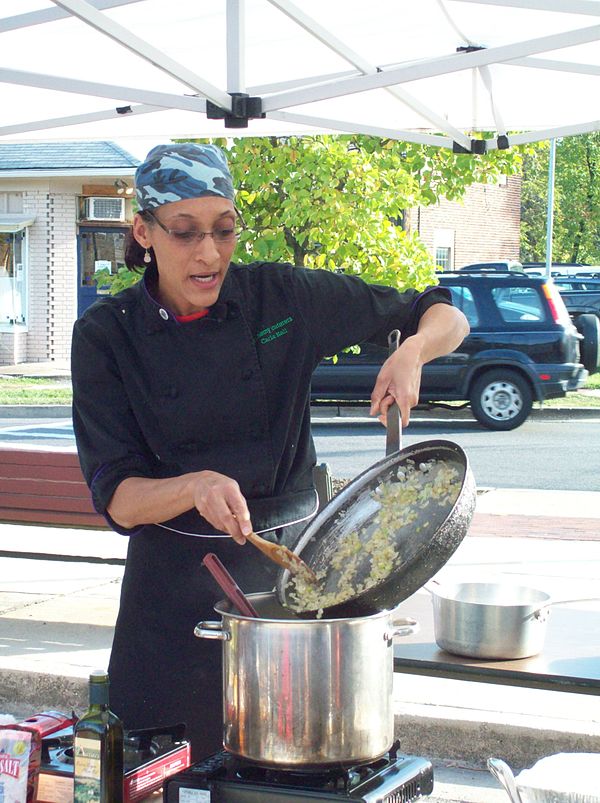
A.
x: 157, y: 316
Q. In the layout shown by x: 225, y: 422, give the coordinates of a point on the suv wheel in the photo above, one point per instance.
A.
x: 501, y: 399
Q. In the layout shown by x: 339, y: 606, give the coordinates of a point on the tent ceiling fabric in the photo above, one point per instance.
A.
x: 432, y: 71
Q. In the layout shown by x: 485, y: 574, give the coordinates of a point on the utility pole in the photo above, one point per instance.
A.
x: 550, y: 207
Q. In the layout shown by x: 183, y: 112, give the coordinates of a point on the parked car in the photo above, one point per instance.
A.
x: 523, y: 347
x: 582, y: 300
x: 500, y: 265
x: 566, y: 284
x: 563, y: 269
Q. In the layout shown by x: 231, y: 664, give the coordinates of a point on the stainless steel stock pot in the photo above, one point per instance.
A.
x: 306, y: 692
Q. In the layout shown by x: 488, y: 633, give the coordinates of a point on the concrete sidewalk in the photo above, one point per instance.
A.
x: 57, y: 614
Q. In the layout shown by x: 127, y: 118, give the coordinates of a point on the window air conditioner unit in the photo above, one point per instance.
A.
x: 105, y: 209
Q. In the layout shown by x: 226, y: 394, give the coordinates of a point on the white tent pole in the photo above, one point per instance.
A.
x: 550, y: 207
x: 551, y: 64
x: 236, y: 45
x: 566, y: 6
x: 548, y: 133
x: 293, y: 83
x: 169, y: 101
x: 77, y: 119
x: 100, y: 22
x: 324, y: 123
x: 483, y: 72
x: 51, y: 14
x: 327, y: 38
x: 456, y: 62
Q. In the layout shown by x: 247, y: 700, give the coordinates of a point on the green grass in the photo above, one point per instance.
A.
x: 31, y: 391
x: 26, y: 390
x: 579, y: 399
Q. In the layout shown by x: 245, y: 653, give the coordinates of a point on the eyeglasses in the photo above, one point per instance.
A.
x: 224, y: 233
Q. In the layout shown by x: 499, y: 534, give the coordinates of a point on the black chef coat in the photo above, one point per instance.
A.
x: 230, y: 392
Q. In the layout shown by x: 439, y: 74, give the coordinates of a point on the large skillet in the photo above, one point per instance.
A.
x: 421, y: 546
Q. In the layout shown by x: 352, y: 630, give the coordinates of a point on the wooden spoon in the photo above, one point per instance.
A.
x: 282, y: 556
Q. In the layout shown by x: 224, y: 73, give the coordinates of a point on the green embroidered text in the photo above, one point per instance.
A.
x: 274, y: 331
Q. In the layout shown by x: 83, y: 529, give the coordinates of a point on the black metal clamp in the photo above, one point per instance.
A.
x: 243, y: 108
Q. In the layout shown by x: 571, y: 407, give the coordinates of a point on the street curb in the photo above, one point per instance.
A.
x: 38, y: 691
x: 474, y: 740
x: 324, y: 413
x: 35, y: 411
x: 342, y: 413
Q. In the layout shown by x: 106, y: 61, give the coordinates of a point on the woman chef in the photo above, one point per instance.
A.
x: 191, y: 413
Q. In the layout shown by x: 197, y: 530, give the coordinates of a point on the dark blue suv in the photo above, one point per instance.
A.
x: 523, y: 347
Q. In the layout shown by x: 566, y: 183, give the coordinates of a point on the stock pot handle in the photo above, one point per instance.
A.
x: 211, y: 630
x: 403, y: 627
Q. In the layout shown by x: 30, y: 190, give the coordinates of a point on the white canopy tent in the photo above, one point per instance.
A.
x: 429, y: 71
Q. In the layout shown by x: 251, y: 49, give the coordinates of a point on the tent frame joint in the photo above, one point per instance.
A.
x: 478, y: 146
x: 243, y: 108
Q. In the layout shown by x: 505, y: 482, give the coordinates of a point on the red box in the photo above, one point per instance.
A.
x: 39, y: 726
x: 56, y: 774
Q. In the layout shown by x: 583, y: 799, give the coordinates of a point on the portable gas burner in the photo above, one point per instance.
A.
x: 149, y: 755
x: 221, y: 778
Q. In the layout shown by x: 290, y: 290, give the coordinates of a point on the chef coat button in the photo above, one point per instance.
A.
x: 163, y: 314
x: 246, y: 374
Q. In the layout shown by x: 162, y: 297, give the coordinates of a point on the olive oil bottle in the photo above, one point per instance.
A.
x: 98, y: 748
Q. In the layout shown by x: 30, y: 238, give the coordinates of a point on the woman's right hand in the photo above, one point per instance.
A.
x: 218, y: 498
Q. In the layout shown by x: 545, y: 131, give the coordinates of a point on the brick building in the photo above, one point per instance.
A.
x: 64, y: 210
x: 484, y: 226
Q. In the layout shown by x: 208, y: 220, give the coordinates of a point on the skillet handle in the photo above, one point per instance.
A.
x: 393, y: 437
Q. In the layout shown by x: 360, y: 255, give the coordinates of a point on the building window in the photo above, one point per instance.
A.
x: 13, y: 278
x: 443, y: 258
x: 101, y: 250
x: 11, y: 203
x: 443, y: 249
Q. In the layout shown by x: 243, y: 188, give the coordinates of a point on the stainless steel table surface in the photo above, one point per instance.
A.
x: 569, y: 661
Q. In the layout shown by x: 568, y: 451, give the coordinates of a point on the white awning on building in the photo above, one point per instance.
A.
x: 13, y: 223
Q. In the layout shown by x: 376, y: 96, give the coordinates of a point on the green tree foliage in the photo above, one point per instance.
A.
x: 576, y: 229
x: 338, y: 202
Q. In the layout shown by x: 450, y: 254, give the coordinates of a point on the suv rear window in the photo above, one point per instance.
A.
x: 462, y: 298
x: 519, y: 304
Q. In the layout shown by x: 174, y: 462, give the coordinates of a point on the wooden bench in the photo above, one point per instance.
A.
x: 44, y: 487
x: 48, y: 488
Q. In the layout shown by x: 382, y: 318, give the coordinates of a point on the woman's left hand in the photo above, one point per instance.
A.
x: 441, y: 329
x: 398, y: 381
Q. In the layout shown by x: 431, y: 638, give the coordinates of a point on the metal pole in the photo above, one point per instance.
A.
x: 550, y: 207
x: 236, y: 45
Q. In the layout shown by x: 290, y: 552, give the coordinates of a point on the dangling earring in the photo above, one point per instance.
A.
x: 147, y: 257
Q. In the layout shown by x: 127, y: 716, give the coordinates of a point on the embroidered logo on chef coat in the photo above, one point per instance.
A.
x: 274, y: 331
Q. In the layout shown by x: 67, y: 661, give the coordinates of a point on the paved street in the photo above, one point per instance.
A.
x: 560, y: 453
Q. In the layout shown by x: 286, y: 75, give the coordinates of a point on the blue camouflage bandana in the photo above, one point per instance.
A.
x: 178, y: 171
